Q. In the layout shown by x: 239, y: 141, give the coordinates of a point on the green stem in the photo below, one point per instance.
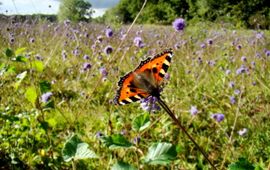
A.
x: 73, y: 164
x: 171, y: 114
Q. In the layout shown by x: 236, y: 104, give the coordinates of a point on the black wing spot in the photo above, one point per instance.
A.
x: 134, y: 99
x: 154, y: 70
x: 165, y: 67
x: 161, y: 75
x: 168, y: 58
x: 133, y: 90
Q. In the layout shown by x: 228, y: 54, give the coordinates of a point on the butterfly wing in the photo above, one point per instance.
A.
x: 128, y: 92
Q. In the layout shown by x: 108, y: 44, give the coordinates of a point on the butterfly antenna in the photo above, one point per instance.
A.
x: 171, y: 114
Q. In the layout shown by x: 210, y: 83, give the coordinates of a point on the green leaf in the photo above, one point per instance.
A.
x: 141, y: 122
x: 9, y: 53
x: 19, y: 79
x: 241, y: 164
x: 122, y: 166
x: 21, y: 58
x: 20, y: 51
x: 161, y: 154
x: 116, y: 141
x: 38, y: 65
x: 44, y: 86
x: 75, y: 149
x: 31, y: 95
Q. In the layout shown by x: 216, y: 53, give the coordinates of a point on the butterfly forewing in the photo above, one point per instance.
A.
x: 130, y: 92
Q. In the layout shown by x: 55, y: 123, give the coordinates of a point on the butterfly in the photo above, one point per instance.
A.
x: 145, y: 80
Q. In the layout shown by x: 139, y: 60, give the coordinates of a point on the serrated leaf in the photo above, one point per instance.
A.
x: 116, y: 141
x: 44, y: 86
x: 75, y: 149
x: 141, y: 122
x: 161, y: 154
x: 38, y: 65
x: 122, y: 166
x: 19, y: 79
x: 20, y: 51
x: 31, y: 95
x: 241, y: 164
x: 9, y: 53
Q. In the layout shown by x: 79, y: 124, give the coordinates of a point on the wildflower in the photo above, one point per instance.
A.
x: 86, y: 66
x: 244, y: 58
x: 99, y: 134
x: 209, y: 41
x: 100, y: 38
x: 237, y: 91
x: 167, y: 76
x: 67, y: 22
x: 32, y: 40
x: 238, y: 47
x: 179, y: 24
x: 259, y: 35
x: 149, y: 104
x: 218, y: 117
x: 64, y: 55
x: 108, y: 50
x: 232, y: 99
x: 138, y: 42
x: 228, y: 72
x: 46, y: 97
x: 203, y: 45
x: 193, y: 110
x: 103, y: 71
x: 136, y: 140
x: 243, y: 131
x: 38, y: 57
x: 109, y: 32
x: 211, y: 63
x: 86, y: 57
x: 231, y: 84
x: 267, y: 53
x: 241, y: 70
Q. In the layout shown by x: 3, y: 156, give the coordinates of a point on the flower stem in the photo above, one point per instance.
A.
x: 171, y: 114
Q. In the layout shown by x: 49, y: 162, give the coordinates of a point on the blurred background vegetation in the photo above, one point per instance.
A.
x: 242, y: 13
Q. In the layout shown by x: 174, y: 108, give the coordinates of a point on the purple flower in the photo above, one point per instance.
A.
x: 243, y: 131
x: 32, y: 40
x: 193, y: 110
x: 241, y: 70
x: 267, y: 53
x: 103, y: 71
x: 108, y: 50
x: 150, y: 104
x: 138, y: 42
x: 99, y: 134
x: 46, y: 97
x: 228, y: 72
x: 232, y: 99
x: 179, y: 24
x: 209, y: 41
x: 259, y: 35
x: 167, y: 76
x: 244, y: 58
x: 211, y: 63
x: 64, y: 55
x: 218, y: 117
x: 203, y: 45
x: 99, y: 38
x: 237, y: 91
x: 238, y: 47
x: 86, y: 57
x: 109, y: 32
x: 86, y: 66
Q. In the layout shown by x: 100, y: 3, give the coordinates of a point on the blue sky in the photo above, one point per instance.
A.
x: 48, y: 6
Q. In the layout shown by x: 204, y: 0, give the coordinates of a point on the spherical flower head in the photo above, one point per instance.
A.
x: 86, y: 57
x: 259, y: 35
x: 193, y: 110
x: 138, y: 42
x: 46, y: 97
x: 32, y: 40
x: 99, y: 134
x: 228, y: 72
x: 244, y: 58
x: 232, y: 99
x: 231, y: 84
x: 218, y: 117
x: 243, y: 132
x: 136, y: 140
x: 150, y: 104
x: 267, y: 53
x: 209, y: 41
x: 86, y: 66
x: 109, y: 32
x: 237, y: 91
x: 108, y: 49
x: 103, y: 71
x: 203, y: 45
x: 179, y: 24
x: 241, y: 70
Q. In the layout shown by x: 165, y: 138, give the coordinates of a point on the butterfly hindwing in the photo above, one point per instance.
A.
x: 158, y: 65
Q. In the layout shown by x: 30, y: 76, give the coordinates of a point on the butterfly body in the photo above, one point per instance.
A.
x: 145, y: 80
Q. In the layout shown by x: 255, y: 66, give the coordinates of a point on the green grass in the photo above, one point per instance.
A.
x: 33, y: 133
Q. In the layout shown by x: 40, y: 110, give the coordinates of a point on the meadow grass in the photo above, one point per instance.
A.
x: 215, y: 68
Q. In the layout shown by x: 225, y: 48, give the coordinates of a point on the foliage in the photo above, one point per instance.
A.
x: 75, y: 10
x: 252, y: 14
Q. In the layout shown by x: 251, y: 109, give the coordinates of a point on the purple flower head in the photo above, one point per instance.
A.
x: 203, y: 45
x: 259, y: 35
x: 109, y: 32
x: 209, y: 41
x: 136, y: 140
x: 150, y: 104
x: 86, y: 66
x: 232, y: 99
x: 228, y: 72
x: 218, y: 117
x: 237, y: 91
x: 211, y: 63
x: 231, y: 84
x: 103, y: 71
x: 108, y: 50
x: 193, y: 110
x: 46, y: 97
x: 241, y: 70
x: 11, y: 39
x: 100, y: 38
x: 244, y: 58
x: 64, y: 55
x: 99, y: 134
x: 238, y: 47
x: 243, y: 132
x: 86, y: 57
x: 67, y: 22
x: 138, y: 42
x: 167, y: 76
x: 76, y: 52
x: 179, y: 24
x: 267, y: 53
x: 32, y: 40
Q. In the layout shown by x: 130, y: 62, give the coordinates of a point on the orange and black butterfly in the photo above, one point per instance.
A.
x: 145, y: 80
